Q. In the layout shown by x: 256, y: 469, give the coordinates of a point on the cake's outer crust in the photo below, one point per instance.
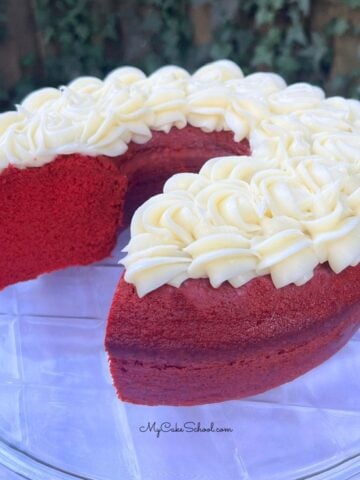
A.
x: 196, y: 344
x: 67, y: 212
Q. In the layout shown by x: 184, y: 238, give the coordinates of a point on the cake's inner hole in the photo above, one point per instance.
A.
x: 149, y: 165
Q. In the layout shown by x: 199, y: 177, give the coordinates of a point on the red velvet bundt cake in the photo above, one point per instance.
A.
x: 239, y: 277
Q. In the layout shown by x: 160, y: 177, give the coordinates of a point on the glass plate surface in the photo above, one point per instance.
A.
x: 60, y: 417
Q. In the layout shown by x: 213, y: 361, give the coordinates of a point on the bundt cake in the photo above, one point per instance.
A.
x: 243, y: 199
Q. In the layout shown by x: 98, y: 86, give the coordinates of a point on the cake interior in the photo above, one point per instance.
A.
x: 68, y: 211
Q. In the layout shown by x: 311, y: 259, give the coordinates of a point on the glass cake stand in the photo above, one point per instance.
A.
x: 60, y: 418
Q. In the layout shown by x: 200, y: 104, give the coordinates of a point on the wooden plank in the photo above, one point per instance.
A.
x: 346, y: 46
x: 201, y: 20
x: 19, y: 43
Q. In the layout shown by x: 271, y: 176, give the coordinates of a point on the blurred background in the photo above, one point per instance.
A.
x: 50, y: 42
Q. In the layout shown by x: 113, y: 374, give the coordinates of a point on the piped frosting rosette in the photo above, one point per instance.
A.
x: 93, y: 116
x: 237, y: 220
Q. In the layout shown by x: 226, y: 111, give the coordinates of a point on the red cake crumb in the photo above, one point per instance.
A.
x: 63, y: 213
x: 68, y: 211
x: 196, y: 344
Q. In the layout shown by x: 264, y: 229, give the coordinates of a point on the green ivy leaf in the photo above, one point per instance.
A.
x: 82, y: 30
x: 264, y: 16
x: 352, y: 3
x: 263, y: 55
x: 338, y: 26
x: 295, y: 34
x: 303, y: 6
x: 219, y: 51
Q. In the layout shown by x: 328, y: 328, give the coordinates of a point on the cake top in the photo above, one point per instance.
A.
x: 242, y: 217
x: 294, y: 203
x: 96, y: 117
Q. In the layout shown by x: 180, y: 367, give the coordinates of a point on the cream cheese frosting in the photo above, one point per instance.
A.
x: 94, y: 117
x: 239, y: 218
x: 292, y: 204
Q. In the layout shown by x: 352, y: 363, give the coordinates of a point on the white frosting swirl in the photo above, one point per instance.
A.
x: 240, y: 217
x: 294, y: 203
x: 93, y: 117
x: 296, y: 97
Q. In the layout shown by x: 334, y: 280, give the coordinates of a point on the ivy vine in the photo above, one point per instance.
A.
x: 89, y: 37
